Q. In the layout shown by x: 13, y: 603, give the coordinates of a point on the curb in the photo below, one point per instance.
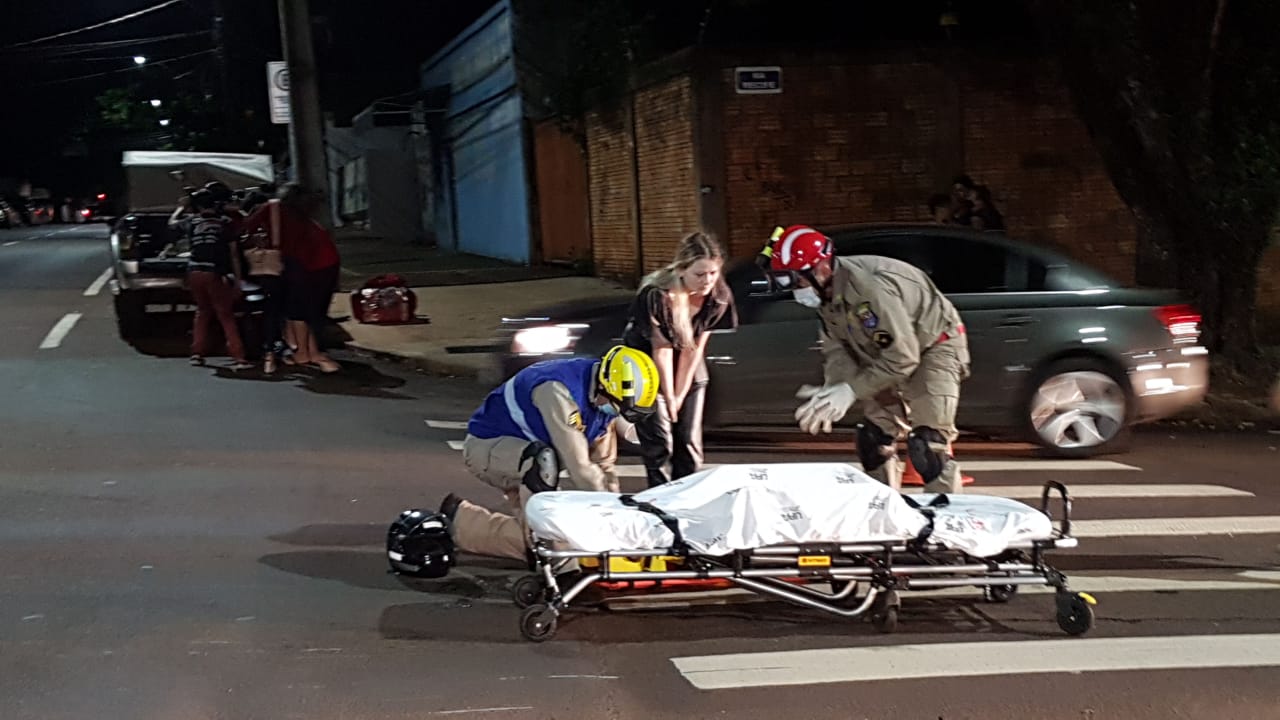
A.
x: 428, y: 364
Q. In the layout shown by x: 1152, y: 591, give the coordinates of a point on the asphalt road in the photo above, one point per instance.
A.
x: 181, y: 542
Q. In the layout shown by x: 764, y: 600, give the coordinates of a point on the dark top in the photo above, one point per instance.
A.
x: 651, y: 310
x: 211, y: 237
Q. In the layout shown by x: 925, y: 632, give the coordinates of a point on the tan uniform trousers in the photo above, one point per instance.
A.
x: 496, y: 461
x: 929, y: 397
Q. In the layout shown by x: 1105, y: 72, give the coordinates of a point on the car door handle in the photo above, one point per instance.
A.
x: 1016, y: 320
x: 721, y: 360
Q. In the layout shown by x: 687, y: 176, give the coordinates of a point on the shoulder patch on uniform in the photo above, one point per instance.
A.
x: 866, y: 316
x: 882, y: 338
x: 575, y: 421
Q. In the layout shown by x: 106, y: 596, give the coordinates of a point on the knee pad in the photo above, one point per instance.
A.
x: 875, y: 446
x: 543, y: 474
x: 927, y: 449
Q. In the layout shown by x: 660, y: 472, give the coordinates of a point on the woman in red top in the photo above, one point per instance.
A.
x: 310, y: 272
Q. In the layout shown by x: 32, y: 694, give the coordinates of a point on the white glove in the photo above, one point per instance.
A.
x: 825, y: 405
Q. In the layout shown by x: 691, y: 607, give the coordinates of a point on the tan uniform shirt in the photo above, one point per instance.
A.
x: 883, y: 315
x: 590, y: 465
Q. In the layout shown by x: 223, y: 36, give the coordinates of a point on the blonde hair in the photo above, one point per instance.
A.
x: 695, y: 246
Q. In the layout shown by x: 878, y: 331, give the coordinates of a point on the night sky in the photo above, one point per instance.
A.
x: 367, y: 49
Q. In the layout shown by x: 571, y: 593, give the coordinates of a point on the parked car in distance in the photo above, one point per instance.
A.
x: 1061, y: 354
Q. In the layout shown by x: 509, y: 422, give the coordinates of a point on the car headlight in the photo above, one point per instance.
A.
x: 546, y: 339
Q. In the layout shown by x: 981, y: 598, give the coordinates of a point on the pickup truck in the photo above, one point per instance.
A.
x: 148, y: 258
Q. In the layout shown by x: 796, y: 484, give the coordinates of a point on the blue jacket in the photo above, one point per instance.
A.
x: 509, y: 411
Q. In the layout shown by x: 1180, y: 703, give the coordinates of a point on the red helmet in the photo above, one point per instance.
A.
x: 799, y: 248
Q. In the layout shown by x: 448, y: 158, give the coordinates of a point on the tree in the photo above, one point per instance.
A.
x: 1183, y: 102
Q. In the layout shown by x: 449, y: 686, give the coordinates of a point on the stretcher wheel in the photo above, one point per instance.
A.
x: 885, y: 613
x: 527, y: 591
x: 538, y: 623
x: 1000, y: 593
x: 1075, y: 616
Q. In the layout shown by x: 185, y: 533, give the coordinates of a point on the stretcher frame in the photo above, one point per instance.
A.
x: 793, y: 572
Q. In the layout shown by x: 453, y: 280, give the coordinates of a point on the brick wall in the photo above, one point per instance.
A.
x: 665, y: 153
x: 870, y: 143
x: 611, y: 184
x: 1023, y: 139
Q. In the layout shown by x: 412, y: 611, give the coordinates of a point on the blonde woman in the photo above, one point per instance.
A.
x: 670, y: 320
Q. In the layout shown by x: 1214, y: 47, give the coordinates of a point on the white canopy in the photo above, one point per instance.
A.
x: 252, y: 167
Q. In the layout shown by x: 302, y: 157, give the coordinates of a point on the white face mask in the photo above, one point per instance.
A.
x: 807, y: 297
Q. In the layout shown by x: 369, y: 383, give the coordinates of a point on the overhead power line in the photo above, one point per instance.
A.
x: 76, y: 48
x: 128, y: 69
x: 105, y: 23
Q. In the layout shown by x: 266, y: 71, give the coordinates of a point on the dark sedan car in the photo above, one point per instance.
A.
x: 1061, y: 354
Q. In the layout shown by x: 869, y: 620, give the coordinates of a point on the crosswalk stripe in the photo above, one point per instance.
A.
x: 859, y: 664
x: 446, y: 424
x: 1100, y: 585
x: 1127, y: 490
x: 1186, y: 526
x: 967, y: 466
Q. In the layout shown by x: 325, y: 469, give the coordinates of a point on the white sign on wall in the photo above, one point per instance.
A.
x: 758, y: 80
x: 278, y: 91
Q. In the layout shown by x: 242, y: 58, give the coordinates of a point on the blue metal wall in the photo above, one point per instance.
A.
x: 485, y: 181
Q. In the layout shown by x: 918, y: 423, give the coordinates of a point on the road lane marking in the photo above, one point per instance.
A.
x: 972, y: 465
x: 96, y: 286
x: 1100, y: 585
x: 506, y: 708
x: 1185, y: 526
x: 446, y: 425
x: 59, y: 331
x: 899, y: 662
x: 12, y: 243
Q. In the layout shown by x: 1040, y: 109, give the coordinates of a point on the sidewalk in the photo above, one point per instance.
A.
x: 365, y: 255
x: 458, y: 339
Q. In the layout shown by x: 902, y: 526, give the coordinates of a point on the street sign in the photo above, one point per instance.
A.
x: 278, y: 91
x: 758, y: 80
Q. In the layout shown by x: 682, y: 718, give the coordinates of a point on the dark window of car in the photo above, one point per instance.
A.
x: 956, y: 265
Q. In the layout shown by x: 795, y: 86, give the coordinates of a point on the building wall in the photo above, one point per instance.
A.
x: 664, y: 127
x: 867, y: 143
x: 484, y: 199
x: 611, y: 182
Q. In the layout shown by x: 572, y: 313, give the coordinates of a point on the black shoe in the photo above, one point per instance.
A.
x: 449, y: 506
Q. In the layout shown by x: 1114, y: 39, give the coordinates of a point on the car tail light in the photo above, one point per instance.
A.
x: 1182, y: 322
x: 84, y: 212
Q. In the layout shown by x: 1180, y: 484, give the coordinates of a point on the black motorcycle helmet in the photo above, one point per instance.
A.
x: 419, y: 544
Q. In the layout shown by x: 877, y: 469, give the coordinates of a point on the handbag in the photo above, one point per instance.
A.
x: 264, y: 257
x: 385, y: 300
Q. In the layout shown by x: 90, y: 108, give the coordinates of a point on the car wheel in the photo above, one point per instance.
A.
x: 1079, y: 408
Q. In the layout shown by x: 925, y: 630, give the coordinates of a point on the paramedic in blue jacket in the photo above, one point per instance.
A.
x: 556, y: 414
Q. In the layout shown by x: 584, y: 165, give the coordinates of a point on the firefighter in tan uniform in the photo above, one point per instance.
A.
x: 557, y: 414
x: 890, y: 339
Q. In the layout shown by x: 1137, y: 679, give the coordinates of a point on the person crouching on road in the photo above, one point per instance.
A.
x: 670, y: 320
x: 213, y: 277
x: 889, y: 336
x: 551, y: 415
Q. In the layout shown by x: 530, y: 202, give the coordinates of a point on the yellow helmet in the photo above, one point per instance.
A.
x: 629, y: 378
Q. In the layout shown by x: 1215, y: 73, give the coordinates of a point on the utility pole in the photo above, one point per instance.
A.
x: 224, y: 72
x: 306, y: 128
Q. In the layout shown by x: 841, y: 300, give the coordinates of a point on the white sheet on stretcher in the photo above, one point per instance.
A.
x: 741, y: 507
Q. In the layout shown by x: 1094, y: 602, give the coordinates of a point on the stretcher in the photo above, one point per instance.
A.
x: 825, y: 536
